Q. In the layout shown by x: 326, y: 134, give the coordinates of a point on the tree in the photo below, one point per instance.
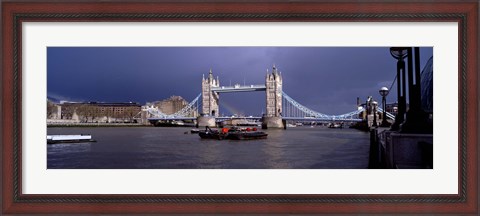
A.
x: 116, y: 114
x: 51, y: 109
x: 130, y: 113
x: 87, y: 112
x: 68, y: 110
x: 108, y: 113
x: 82, y: 113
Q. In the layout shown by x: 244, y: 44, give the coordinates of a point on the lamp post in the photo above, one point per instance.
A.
x: 416, y: 119
x: 384, y: 92
x: 374, y: 106
x: 400, y: 53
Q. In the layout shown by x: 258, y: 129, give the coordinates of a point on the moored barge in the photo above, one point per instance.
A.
x: 232, y: 134
x: 56, y: 139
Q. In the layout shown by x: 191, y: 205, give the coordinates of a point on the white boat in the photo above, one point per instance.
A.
x: 54, y: 139
x: 179, y: 123
x: 335, y: 125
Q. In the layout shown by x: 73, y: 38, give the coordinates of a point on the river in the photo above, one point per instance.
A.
x: 170, y: 148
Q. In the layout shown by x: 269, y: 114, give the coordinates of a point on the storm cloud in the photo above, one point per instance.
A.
x: 325, y: 79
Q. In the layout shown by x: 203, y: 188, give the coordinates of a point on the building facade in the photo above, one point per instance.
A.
x: 99, y: 111
x: 171, y: 105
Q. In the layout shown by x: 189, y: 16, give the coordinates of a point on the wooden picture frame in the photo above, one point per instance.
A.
x: 14, y: 13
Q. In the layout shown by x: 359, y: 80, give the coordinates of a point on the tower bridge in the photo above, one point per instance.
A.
x: 273, y: 89
x: 279, y: 106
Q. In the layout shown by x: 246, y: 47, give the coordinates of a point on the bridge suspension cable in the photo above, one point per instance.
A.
x: 292, y: 108
x: 189, y: 110
x: 389, y: 115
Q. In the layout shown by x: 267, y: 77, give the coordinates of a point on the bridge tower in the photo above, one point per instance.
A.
x: 209, y: 101
x: 273, y: 91
x: 273, y: 84
x: 210, y: 98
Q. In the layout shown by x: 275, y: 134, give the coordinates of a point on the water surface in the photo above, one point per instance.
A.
x: 170, y: 148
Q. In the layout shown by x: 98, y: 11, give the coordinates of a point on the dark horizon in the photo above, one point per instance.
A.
x: 324, y: 79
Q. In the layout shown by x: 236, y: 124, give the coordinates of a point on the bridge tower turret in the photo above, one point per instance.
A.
x: 273, y: 84
x: 210, y: 98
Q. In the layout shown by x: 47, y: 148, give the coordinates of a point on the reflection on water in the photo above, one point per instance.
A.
x: 170, y: 148
x: 274, y: 150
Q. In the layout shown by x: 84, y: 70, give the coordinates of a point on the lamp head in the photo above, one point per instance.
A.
x: 398, y: 52
x: 383, y: 91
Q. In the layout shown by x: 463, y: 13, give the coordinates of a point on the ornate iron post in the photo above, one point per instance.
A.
x: 416, y: 120
x: 400, y: 53
x: 384, y: 92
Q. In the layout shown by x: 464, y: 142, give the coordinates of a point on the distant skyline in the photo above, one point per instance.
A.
x: 325, y: 79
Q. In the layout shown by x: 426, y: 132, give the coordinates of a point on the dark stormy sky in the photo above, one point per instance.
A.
x: 325, y: 79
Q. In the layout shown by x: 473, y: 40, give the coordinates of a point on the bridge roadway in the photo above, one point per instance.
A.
x: 258, y: 118
x: 194, y: 118
x: 239, y: 88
